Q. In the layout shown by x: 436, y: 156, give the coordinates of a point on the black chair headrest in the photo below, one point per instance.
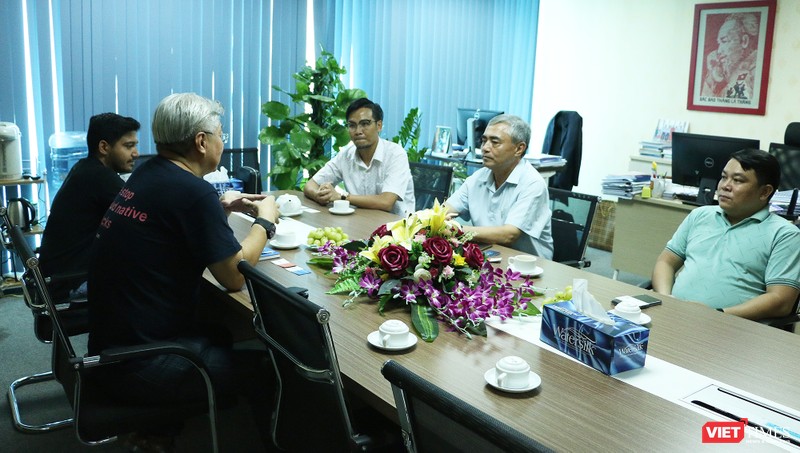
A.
x: 792, y: 136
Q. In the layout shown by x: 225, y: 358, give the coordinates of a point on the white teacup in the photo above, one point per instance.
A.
x: 512, y: 372
x: 284, y: 237
x: 629, y: 310
x: 393, y: 333
x: 288, y: 203
x: 523, y: 263
x: 341, y: 205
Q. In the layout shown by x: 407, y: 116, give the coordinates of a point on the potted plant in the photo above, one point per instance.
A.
x: 304, y: 141
x: 408, y: 136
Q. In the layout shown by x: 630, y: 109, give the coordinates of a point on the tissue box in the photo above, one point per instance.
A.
x: 231, y: 184
x: 606, y: 348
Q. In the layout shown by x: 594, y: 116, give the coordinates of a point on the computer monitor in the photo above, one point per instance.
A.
x: 698, y: 160
x: 480, y: 119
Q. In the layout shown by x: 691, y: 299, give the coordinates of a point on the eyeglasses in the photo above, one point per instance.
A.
x: 223, y: 136
x: 363, y: 124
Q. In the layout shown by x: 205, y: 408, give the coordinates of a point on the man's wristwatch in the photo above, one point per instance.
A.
x: 267, y: 225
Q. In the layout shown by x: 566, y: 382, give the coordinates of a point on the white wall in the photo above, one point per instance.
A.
x: 623, y: 64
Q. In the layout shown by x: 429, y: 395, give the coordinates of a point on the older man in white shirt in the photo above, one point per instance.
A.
x: 506, y: 201
x: 375, y: 171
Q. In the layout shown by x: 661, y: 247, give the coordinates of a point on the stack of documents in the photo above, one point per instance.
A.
x: 625, y: 185
x: 545, y: 160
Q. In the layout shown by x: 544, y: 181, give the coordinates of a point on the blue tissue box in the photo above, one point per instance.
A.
x: 606, y: 348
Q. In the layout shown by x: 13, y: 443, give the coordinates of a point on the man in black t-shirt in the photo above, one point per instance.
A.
x: 163, y: 229
x: 84, y: 197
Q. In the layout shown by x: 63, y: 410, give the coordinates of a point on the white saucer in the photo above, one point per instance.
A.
x: 342, y: 212
x: 537, y: 271
x: 291, y: 214
x: 643, y: 318
x: 375, y: 340
x: 534, y: 381
x: 278, y: 245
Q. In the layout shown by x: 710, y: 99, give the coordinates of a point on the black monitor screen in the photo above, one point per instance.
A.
x: 483, y: 117
x: 696, y: 157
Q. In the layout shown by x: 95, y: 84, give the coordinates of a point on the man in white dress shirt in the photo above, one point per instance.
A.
x: 375, y: 171
x: 507, y: 200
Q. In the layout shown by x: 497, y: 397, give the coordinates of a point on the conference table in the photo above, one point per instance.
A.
x: 576, y: 408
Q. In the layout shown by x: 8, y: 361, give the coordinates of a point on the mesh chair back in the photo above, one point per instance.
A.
x: 789, y: 159
x: 233, y: 159
x: 571, y: 220
x: 424, y: 409
x: 430, y: 182
x: 311, y: 412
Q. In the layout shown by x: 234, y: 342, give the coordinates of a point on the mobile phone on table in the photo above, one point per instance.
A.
x: 492, y: 256
x: 643, y: 300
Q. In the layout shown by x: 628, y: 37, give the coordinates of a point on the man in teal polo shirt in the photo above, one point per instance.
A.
x: 736, y: 257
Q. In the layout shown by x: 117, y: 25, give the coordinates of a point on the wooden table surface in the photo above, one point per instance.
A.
x: 576, y: 408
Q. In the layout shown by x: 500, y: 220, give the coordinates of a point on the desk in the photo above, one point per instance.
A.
x: 576, y: 408
x: 642, y: 228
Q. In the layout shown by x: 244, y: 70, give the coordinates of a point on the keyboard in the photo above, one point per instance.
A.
x: 686, y: 197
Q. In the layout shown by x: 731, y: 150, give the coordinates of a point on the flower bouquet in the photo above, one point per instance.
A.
x: 427, y: 263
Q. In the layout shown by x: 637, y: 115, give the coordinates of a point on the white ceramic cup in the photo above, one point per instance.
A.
x: 523, y: 263
x: 341, y: 205
x: 628, y: 310
x: 393, y: 333
x: 512, y: 372
x: 284, y: 237
x: 288, y: 203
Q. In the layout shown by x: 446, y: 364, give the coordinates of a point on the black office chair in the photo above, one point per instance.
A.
x: 430, y: 182
x: 233, y: 159
x: 312, y: 413
x: 572, y: 215
x: 98, y: 418
x: 433, y: 420
x: 250, y: 177
x: 75, y: 318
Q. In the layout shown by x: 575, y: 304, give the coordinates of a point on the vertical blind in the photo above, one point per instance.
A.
x: 62, y: 61
x: 124, y: 56
x: 435, y: 55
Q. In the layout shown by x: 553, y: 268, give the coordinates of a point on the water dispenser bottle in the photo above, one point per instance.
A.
x: 66, y: 148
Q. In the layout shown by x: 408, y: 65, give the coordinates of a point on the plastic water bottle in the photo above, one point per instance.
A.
x: 66, y: 148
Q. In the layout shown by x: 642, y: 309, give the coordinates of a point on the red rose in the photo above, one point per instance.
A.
x: 439, y: 248
x: 381, y: 231
x: 394, y: 259
x: 473, y: 255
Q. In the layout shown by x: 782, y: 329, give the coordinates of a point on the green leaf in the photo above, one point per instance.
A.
x: 276, y: 110
x: 355, y: 246
x: 345, y: 286
x: 272, y: 135
x: 382, y: 301
x: 388, y: 286
x: 325, y: 262
x: 301, y: 139
x: 424, y: 320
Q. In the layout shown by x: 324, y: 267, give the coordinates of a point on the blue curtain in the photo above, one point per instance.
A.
x: 437, y: 55
x: 124, y: 56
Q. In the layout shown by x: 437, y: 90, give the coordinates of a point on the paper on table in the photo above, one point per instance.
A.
x: 586, y: 303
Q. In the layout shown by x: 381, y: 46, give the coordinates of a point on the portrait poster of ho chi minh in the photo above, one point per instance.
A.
x: 730, y: 56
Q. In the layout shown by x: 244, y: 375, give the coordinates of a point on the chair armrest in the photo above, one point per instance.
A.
x: 142, y: 351
x: 781, y: 321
